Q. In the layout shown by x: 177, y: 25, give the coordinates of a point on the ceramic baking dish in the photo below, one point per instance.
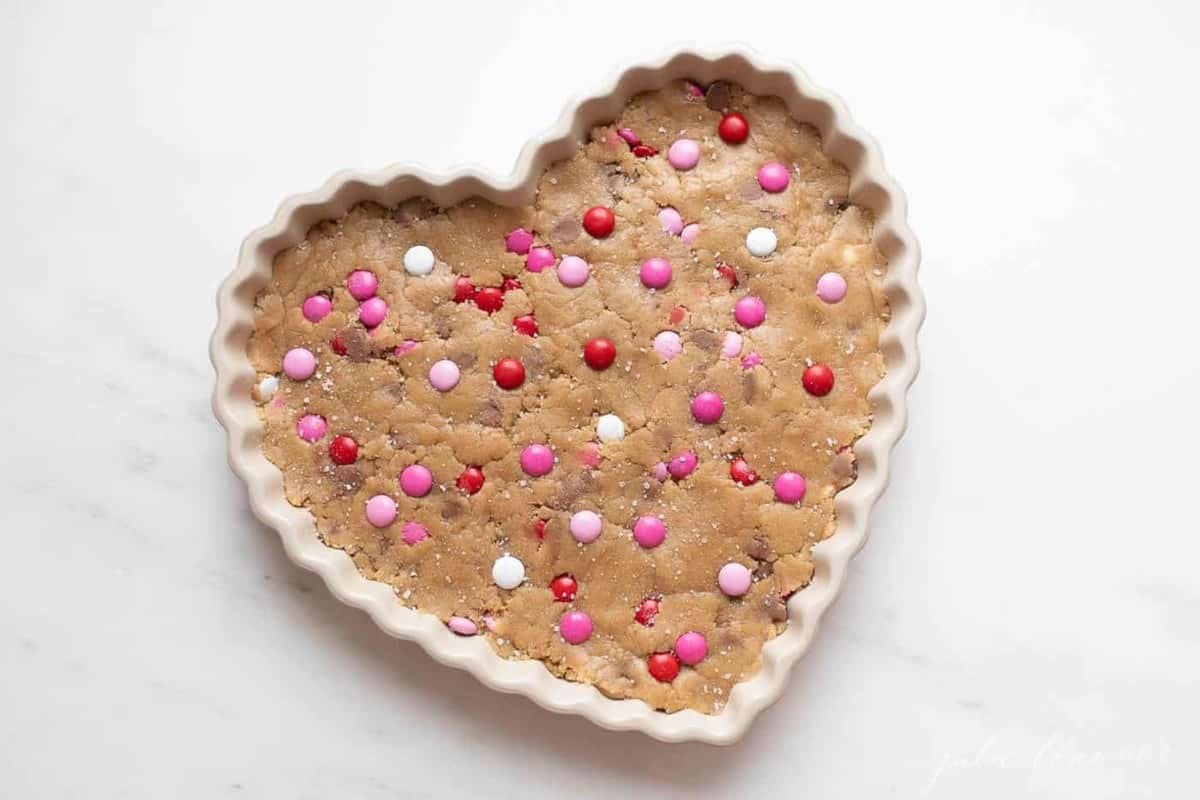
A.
x: 870, y: 186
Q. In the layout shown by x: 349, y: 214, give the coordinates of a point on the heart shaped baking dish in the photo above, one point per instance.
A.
x: 869, y: 187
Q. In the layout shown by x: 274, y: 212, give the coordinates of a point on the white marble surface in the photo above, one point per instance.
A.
x: 1023, y: 623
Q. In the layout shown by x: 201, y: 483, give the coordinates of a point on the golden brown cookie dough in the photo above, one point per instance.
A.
x: 378, y: 393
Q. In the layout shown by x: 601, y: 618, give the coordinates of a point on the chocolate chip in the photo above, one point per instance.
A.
x: 718, y: 96
x: 775, y: 607
x: 396, y: 391
x: 347, y: 478
x: 453, y: 505
x: 464, y: 358
x: 844, y: 466
x: 706, y: 340
x: 566, y: 230
x: 573, y: 487
x: 489, y: 414
x: 760, y: 549
x: 749, y: 386
x: 442, y: 326
x: 359, y: 346
x: 411, y: 211
x: 749, y: 190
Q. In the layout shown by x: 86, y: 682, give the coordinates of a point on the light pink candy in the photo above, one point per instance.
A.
x: 311, y: 427
x: 416, y: 480
x: 362, y: 284
x: 750, y: 311
x: 689, y: 233
x: 537, y: 460
x: 462, y: 626
x: 444, y: 375
x: 573, y: 271
x: 649, y: 531
x: 831, y: 287
x: 734, y: 579
x: 414, y: 533
x: 707, y: 407
x: 518, y: 241
x: 585, y: 526
x: 668, y: 344
x: 773, y: 177
x: 682, y: 465
x: 373, y: 311
x: 299, y: 364
x: 672, y: 223
x: 317, y: 307
x: 790, y: 487
x: 655, y: 273
x: 381, y: 510
x: 539, y: 258
x: 575, y: 627
x: 683, y: 154
x: 691, y: 648
x: 731, y: 347
x: 660, y: 472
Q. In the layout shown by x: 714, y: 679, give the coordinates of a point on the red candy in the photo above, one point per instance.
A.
x: 733, y: 128
x: 509, y: 373
x: 599, y: 354
x: 741, y: 473
x: 343, y: 450
x: 471, y: 480
x: 663, y: 666
x: 490, y: 299
x: 644, y: 151
x: 338, y: 345
x: 539, y: 529
x: 647, y: 610
x: 564, y: 588
x: 509, y: 284
x: 599, y: 221
x: 726, y: 272
x: 818, y: 380
x: 526, y: 324
x: 464, y: 290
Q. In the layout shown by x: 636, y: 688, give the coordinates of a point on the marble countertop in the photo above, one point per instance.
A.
x: 1024, y: 621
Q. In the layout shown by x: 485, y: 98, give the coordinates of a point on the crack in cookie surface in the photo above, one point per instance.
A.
x: 732, y: 493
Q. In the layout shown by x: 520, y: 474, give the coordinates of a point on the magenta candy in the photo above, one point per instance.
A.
x: 407, y: 346
x: 682, y: 465
x: 691, y: 648
x: 414, y: 533
x: 381, y: 510
x: 317, y: 307
x: 573, y: 271
x: 539, y: 258
x: 831, y: 287
x: 462, y: 626
x: 672, y: 223
x: 655, y: 273
x: 750, y: 311
x: 790, y: 487
x: 575, y: 627
x: 311, y: 427
x: 629, y: 137
x: 751, y: 360
x: 690, y: 233
x: 362, y: 284
x: 734, y: 579
x: 649, y: 531
x: 416, y: 480
x: 683, y: 154
x: 299, y: 364
x: 373, y: 311
x: 537, y: 460
x: 707, y: 407
x: 773, y: 177
x: 518, y: 241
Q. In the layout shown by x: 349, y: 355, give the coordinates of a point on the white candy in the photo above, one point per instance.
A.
x: 418, y: 260
x: 761, y: 241
x: 508, y: 572
x: 610, y: 428
x: 267, y: 387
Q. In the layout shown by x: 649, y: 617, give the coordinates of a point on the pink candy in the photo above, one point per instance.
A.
x: 750, y: 311
x: 416, y: 480
x: 629, y: 137
x: 691, y: 648
x: 539, y: 258
x: 790, y: 487
x: 317, y: 307
x: 444, y: 375
x: 414, y: 533
x: 831, y: 287
x: 731, y: 347
x: 682, y: 465
x: 689, y: 233
x: 667, y: 344
x: 407, y: 346
x: 518, y: 241
x: 585, y: 526
x: 311, y: 427
x: 573, y: 271
x: 362, y: 284
x: 299, y: 364
x: 773, y: 177
x: 734, y: 579
x: 537, y: 460
x: 660, y: 472
x: 707, y: 407
x: 649, y: 531
x: 373, y: 311
x: 381, y: 510
x: 462, y: 626
x: 655, y: 273
x: 575, y: 627
x: 672, y: 223
x: 683, y: 154
x: 751, y: 360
